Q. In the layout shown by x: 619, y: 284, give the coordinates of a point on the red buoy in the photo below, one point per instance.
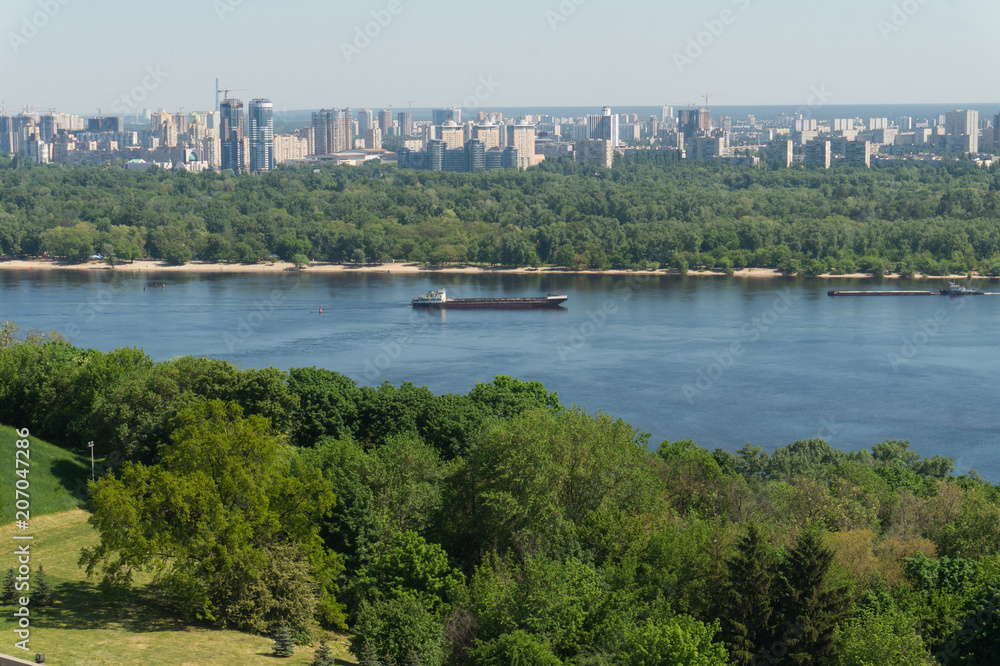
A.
x: 321, y: 309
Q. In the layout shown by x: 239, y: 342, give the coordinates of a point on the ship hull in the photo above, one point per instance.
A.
x: 494, y: 303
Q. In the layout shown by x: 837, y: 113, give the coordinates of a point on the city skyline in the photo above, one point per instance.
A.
x: 567, y: 53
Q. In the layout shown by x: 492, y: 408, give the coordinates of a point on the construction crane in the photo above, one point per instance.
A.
x: 706, y: 96
x: 229, y: 90
x: 409, y: 104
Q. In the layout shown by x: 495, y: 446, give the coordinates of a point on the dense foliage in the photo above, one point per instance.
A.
x: 917, y: 218
x: 499, y: 527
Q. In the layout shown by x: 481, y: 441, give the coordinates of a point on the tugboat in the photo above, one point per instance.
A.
x: 958, y: 290
x: 438, y: 298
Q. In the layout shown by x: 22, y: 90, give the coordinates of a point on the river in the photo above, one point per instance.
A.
x: 721, y: 361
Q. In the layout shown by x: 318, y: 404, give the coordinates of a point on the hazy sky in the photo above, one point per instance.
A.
x: 77, y: 55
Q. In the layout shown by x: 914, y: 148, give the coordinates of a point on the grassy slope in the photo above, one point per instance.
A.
x: 57, y: 477
x: 83, y: 627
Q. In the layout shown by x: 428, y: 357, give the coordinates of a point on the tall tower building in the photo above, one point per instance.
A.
x: 488, y: 134
x: 604, y: 127
x: 330, y: 132
x: 366, y: 120
x: 405, y: 123
x: 385, y: 121
x: 261, y: 115
x: 693, y: 122
x: 963, y: 123
x: 521, y: 137
x: 231, y: 135
x: 441, y: 116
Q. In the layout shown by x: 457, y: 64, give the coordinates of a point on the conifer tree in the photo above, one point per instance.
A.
x: 412, y: 659
x: 284, y: 642
x: 42, y: 595
x: 369, y: 658
x: 8, y: 595
x: 324, y: 655
x: 810, y: 608
x: 747, y: 617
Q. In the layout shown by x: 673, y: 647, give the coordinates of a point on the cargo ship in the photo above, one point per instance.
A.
x: 439, y: 299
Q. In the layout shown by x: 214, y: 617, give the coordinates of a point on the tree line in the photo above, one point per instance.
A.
x: 932, y: 219
x: 500, y: 526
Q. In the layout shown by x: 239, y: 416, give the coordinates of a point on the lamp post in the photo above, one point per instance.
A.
x: 91, y: 446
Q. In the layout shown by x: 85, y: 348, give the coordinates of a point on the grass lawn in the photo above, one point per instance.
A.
x: 83, y: 627
x: 58, y: 478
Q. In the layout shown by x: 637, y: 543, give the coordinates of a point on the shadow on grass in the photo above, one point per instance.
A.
x: 80, y: 605
x: 71, y: 476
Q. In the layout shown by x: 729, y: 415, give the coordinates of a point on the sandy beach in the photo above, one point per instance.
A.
x: 393, y: 268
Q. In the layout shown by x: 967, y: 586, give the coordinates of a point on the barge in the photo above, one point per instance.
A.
x: 952, y: 290
x: 439, y: 299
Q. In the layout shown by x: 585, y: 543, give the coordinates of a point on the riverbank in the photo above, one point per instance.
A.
x: 393, y: 268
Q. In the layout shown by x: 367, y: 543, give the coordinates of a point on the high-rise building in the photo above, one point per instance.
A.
x: 231, y: 135
x: 373, y: 138
x: 366, y: 120
x: 405, y: 123
x: 818, y: 153
x: 858, y: 153
x: 693, y: 122
x: 48, y: 126
x: 521, y: 137
x: 604, y: 127
x: 963, y: 123
x: 452, y: 134
x: 261, y: 117
x: 668, y: 114
x: 330, y: 132
x: 385, y: 121
x: 488, y: 134
x: 441, y: 116
x: 779, y: 154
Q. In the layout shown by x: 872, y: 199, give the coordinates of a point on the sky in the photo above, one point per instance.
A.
x: 80, y: 55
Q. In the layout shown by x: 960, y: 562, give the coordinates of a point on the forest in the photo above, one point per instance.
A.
x: 914, y: 219
x: 502, y: 527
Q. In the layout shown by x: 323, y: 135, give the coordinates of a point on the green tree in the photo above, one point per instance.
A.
x: 517, y: 648
x: 368, y: 656
x: 395, y: 626
x: 7, y: 592
x: 324, y: 655
x: 680, y: 641
x: 222, y: 521
x: 887, y: 638
x: 509, y: 396
x: 810, y: 605
x: 284, y: 641
x: 747, y: 618
x: 42, y: 592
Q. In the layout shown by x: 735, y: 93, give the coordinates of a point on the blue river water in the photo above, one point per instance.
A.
x: 721, y: 361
